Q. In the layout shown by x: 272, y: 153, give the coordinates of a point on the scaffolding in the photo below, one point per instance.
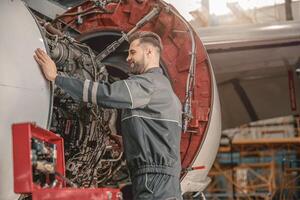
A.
x: 261, y: 168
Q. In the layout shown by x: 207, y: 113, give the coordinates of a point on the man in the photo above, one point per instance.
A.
x: 151, y: 116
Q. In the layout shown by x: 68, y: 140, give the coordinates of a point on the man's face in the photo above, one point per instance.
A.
x: 136, y: 58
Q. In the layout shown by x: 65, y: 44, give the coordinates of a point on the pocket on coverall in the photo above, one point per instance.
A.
x: 155, y: 182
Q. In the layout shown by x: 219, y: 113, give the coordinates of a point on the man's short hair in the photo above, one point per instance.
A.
x: 147, y: 37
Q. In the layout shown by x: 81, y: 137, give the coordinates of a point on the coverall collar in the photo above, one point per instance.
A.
x: 154, y: 70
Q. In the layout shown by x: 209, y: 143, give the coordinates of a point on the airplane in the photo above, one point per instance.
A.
x: 248, y: 62
x: 88, y: 41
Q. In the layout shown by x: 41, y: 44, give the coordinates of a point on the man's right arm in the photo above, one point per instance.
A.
x: 130, y: 93
x: 120, y: 94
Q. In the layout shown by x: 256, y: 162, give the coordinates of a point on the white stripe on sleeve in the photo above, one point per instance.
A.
x: 86, y: 90
x: 129, y: 94
x: 94, y: 92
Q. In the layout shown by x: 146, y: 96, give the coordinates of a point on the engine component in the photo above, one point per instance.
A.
x: 43, y: 159
x: 93, y: 149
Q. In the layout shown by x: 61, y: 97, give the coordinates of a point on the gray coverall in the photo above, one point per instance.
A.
x: 151, y: 128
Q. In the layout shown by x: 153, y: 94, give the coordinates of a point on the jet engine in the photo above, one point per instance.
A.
x: 89, y: 41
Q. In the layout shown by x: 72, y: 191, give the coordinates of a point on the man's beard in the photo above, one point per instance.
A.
x: 137, y: 68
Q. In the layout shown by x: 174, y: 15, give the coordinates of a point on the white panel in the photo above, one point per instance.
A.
x: 25, y: 94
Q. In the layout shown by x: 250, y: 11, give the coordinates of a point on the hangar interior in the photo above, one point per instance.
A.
x: 258, y: 156
x: 237, y: 75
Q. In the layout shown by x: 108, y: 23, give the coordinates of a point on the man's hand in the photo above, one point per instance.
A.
x: 46, y: 63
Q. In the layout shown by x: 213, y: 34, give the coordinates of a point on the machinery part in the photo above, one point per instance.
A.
x: 200, y: 194
x: 93, y: 154
x: 67, y: 181
x: 43, y: 154
x: 190, y: 84
x: 112, y: 47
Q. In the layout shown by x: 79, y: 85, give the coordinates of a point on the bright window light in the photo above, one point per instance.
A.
x: 184, y: 7
x: 219, y: 7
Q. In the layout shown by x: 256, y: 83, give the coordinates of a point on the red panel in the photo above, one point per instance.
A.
x: 22, y: 134
x: 77, y: 194
x: 21, y: 157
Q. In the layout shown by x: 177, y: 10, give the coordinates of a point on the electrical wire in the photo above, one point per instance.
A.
x: 190, y: 84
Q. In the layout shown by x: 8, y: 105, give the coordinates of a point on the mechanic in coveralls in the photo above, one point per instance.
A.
x: 151, y: 116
